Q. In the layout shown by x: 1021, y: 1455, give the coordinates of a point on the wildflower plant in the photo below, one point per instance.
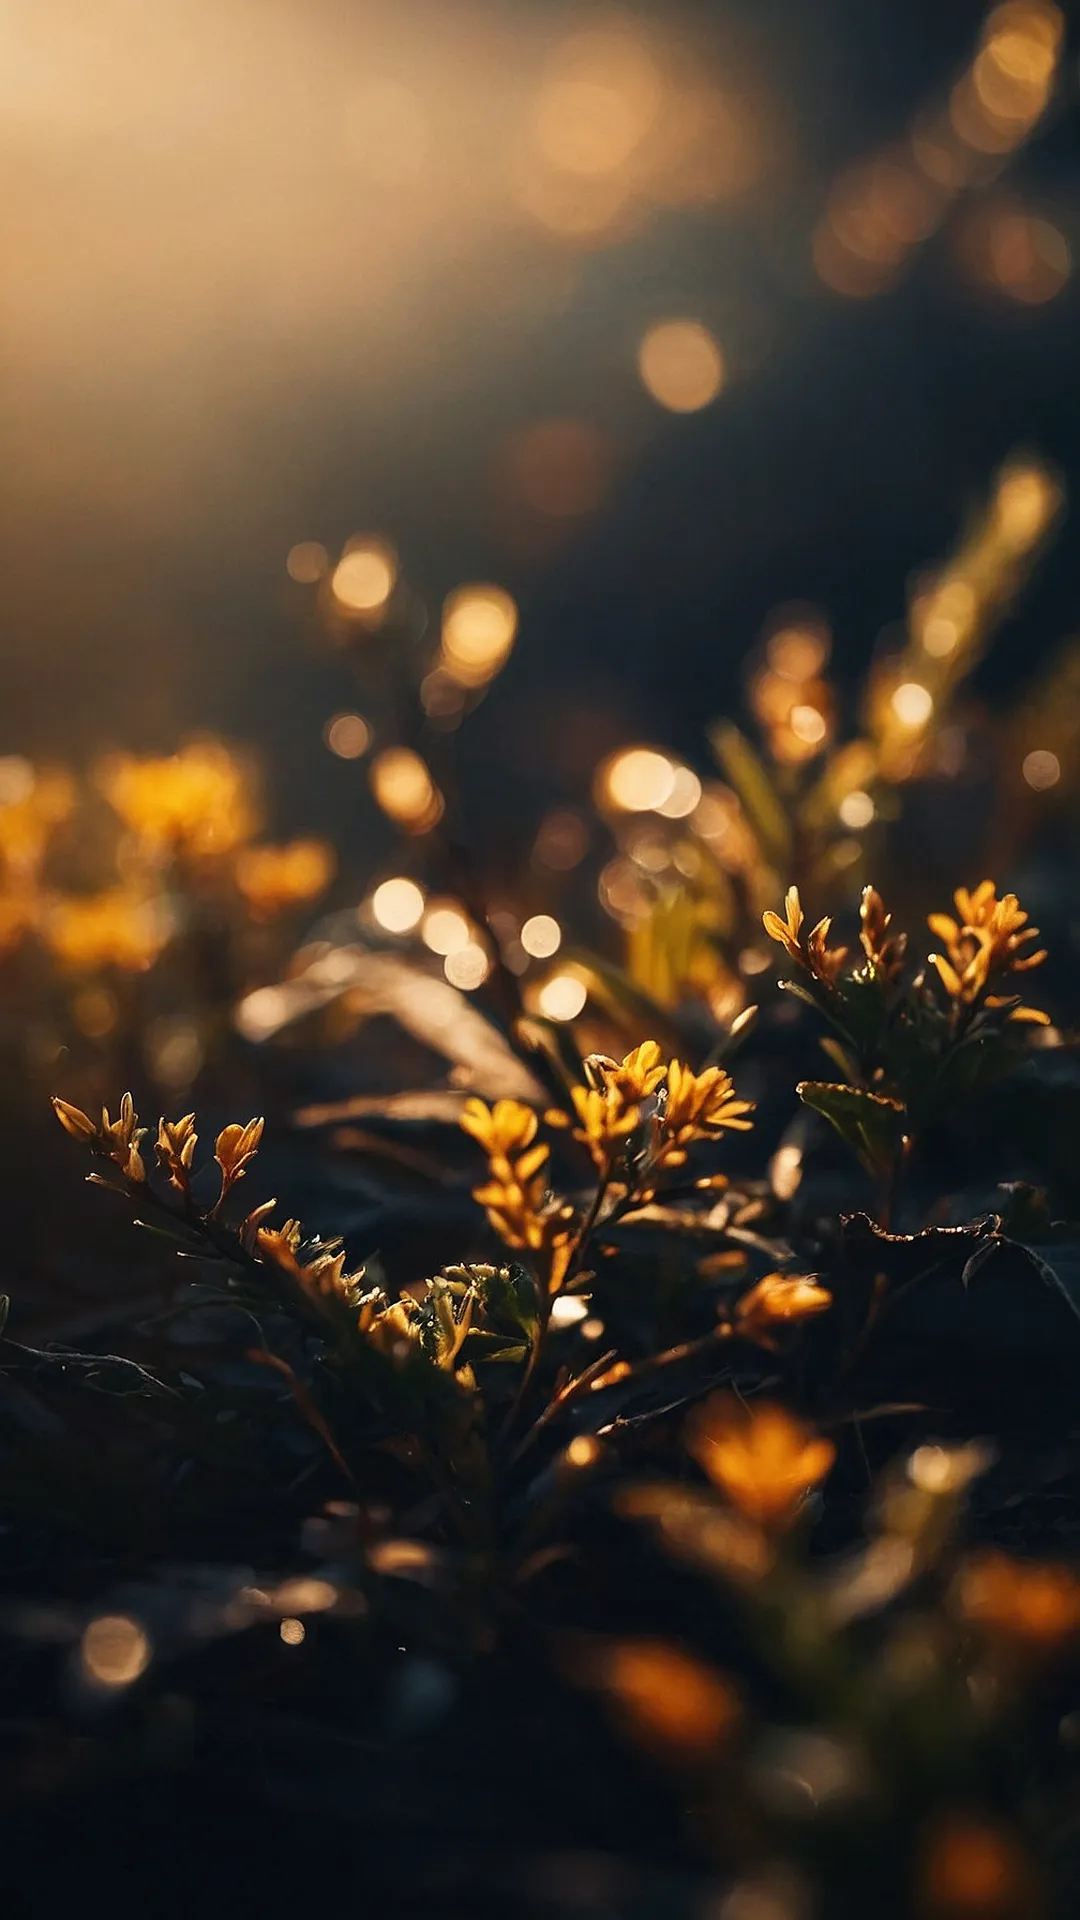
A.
x: 911, y: 1039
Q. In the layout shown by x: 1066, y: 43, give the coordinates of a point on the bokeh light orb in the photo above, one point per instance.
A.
x: 681, y: 365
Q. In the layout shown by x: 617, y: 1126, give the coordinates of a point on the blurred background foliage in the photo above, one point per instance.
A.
x: 497, y: 493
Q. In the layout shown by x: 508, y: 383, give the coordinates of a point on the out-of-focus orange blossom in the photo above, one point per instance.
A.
x: 761, y: 1456
x: 273, y: 879
x: 116, y: 928
x: 35, y: 804
x: 668, y: 1700
x: 972, y: 1870
x: 196, y: 801
x: 1026, y: 1603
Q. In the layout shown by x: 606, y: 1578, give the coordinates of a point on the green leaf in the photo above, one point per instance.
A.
x: 759, y: 797
x: 872, y: 1124
x: 509, y: 1295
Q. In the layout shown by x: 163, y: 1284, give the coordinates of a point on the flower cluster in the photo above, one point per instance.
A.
x: 514, y: 1195
x: 989, y: 940
x: 813, y: 952
x: 197, y: 801
x: 637, y: 1118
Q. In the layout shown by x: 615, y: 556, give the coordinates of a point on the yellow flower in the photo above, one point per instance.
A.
x: 699, y: 1106
x: 778, y: 1300
x: 503, y: 1130
x: 234, y: 1150
x: 814, y: 953
x: 609, y: 1108
x: 514, y: 1196
x: 762, y: 1457
x: 117, y: 928
x: 884, y: 951
x: 788, y: 931
x: 195, y: 801
x: 604, y: 1121
x: 323, y: 1275
x: 117, y: 1140
x: 273, y: 879
x: 1027, y: 1602
x: 639, y: 1074
x: 176, y: 1143
x: 986, y: 943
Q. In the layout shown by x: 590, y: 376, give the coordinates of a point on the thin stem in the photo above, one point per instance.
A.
x: 584, y: 1233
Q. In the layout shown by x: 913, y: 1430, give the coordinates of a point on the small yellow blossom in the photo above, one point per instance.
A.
x: 273, y: 879
x: 176, y: 1143
x: 812, y: 953
x: 884, y: 951
x: 605, y: 1122
x: 322, y: 1275
x: 117, y: 1140
x: 505, y: 1129
x: 984, y: 945
x: 788, y: 931
x: 234, y: 1150
x: 514, y: 1196
x: 609, y: 1107
x: 639, y: 1074
x: 699, y: 1106
x: 778, y: 1300
x: 761, y: 1456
